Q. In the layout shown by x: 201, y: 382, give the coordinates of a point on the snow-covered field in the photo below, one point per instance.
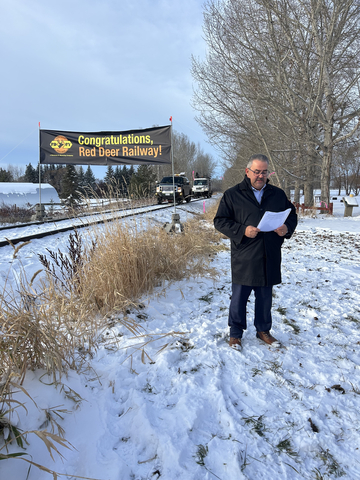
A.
x: 201, y: 410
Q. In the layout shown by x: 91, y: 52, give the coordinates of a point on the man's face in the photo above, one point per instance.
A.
x: 257, y: 181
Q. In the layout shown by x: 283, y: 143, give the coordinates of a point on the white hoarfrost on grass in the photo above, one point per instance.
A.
x: 201, y: 410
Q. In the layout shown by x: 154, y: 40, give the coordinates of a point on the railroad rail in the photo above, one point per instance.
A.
x: 84, y: 223
x: 70, y: 217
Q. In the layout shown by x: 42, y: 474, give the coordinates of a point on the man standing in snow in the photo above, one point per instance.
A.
x: 255, y: 255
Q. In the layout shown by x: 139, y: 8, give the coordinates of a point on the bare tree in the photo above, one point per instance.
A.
x: 16, y: 172
x: 240, y: 95
x: 188, y: 158
x: 283, y: 74
x: 331, y: 34
x: 346, y: 167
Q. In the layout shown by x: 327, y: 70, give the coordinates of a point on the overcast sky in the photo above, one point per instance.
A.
x: 96, y: 65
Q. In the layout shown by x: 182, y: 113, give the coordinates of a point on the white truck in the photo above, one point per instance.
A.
x: 202, y: 187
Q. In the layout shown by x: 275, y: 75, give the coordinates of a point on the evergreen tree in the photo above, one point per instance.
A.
x: 143, y: 181
x: 53, y: 174
x: 5, y: 176
x: 130, y: 173
x: 89, y: 181
x: 109, y: 181
x: 31, y: 175
x: 70, y: 185
x: 117, y: 175
x: 101, y: 189
x: 109, y: 177
x: 81, y: 179
x: 41, y: 172
x: 123, y: 182
x: 117, y: 184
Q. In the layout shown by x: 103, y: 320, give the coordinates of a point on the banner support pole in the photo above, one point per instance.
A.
x: 175, y: 225
x: 172, y: 164
x: 39, y: 213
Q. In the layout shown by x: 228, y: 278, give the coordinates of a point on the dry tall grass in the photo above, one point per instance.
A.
x: 51, y: 325
x: 13, y: 214
x: 129, y: 261
x: 57, y: 323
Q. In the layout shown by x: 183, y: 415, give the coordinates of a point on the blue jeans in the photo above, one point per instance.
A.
x: 237, y: 310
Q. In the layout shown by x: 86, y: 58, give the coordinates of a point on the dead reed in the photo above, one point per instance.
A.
x: 14, y: 214
x: 131, y: 260
x: 48, y: 325
x: 58, y: 322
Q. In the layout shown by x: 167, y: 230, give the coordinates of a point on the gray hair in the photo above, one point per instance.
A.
x: 257, y: 156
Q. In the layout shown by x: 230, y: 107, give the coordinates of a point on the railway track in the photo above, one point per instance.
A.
x: 78, y: 222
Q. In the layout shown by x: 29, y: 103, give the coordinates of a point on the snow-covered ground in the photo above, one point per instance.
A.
x: 201, y: 410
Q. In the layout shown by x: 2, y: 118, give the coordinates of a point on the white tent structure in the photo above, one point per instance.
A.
x: 22, y: 194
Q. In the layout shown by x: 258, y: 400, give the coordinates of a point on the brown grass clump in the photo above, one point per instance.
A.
x: 211, y: 211
x: 130, y: 261
x: 58, y: 323
x: 46, y: 331
x: 14, y: 214
x: 54, y: 325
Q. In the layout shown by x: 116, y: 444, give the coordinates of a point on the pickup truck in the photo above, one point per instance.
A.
x: 165, y: 189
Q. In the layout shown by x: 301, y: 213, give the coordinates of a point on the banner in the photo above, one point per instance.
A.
x: 132, y: 147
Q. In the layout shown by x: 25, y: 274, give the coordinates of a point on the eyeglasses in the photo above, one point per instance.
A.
x: 265, y: 173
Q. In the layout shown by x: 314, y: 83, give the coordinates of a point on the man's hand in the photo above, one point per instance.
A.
x: 281, y: 231
x: 251, y: 232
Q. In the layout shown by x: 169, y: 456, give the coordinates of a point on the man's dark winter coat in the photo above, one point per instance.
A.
x: 255, y: 262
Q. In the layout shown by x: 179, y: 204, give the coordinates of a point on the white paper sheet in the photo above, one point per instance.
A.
x: 273, y: 220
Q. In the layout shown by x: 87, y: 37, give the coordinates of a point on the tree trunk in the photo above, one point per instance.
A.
x: 287, y: 187
x: 297, y: 192
x: 325, y: 177
x: 309, y: 183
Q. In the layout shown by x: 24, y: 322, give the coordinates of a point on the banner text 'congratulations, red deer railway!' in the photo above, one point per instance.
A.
x: 148, y: 146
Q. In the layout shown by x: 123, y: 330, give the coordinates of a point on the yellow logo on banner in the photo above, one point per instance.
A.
x: 60, y: 144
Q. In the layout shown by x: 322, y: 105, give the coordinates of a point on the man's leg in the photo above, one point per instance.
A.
x: 263, y: 303
x: 237, y: 310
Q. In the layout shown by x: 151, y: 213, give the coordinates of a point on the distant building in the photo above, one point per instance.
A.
x: 20, y: 194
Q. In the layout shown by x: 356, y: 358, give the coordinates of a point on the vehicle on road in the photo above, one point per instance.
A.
x: 202, y: 187
x: 165, y: 189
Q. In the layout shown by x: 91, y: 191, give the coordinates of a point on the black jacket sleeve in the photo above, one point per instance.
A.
x: 224, y: 220
x: 291, y: 221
